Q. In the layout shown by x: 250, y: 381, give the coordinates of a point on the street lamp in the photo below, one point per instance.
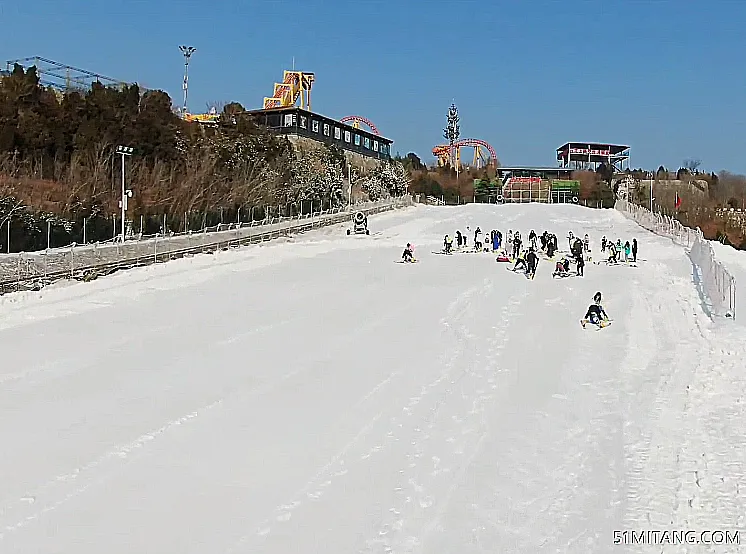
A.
x: 187, y: 51
x: 349, y: 180
x: 126, y: 193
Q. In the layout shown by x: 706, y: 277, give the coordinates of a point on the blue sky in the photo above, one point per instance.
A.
x: 665, y: 77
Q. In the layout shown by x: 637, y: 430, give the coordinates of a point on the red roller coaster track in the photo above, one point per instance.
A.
x: 360, y: 119
x: 444, y: 148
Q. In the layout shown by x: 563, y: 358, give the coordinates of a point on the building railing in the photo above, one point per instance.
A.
x: 34, y: 270
x: 715, y: 283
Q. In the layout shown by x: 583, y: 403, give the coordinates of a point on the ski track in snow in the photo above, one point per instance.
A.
x: 499, y: 425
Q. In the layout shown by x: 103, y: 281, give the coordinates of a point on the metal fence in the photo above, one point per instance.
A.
x: 34, y: 270
x: 716, y: 284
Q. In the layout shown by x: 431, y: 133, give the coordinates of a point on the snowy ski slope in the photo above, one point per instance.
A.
x: 312, y: 396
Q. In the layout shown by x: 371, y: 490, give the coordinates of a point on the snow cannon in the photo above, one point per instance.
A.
x: 359, y: 224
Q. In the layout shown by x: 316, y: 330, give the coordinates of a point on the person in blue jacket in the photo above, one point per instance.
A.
x: 496, y: 241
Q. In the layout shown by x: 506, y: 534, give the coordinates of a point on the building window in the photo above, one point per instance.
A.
x: 289, y: 119
x: 357, y: 140
x: 367, y: 142
x: 347, y: 136
x: 375, y: 145
x: 303, y: 121
x: 315, y: 126
x: 338, y: 133
x: 326, y: 129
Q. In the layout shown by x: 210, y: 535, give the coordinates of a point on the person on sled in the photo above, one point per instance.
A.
x: 595, y: 313
x: 408, y: 255
x: 562, y: 268
x: 520, y: 263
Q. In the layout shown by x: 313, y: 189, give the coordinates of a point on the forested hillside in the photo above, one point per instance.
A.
x: 58, y: 164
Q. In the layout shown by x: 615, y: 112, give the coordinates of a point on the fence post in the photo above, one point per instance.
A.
x: 155, y: 249
x: 72, y: 260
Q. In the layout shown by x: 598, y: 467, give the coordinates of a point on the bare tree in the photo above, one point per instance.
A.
x: 691, y: 165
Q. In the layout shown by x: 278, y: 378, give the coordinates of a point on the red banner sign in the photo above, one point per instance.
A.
x: 590, y: 152
x: 524, y: 181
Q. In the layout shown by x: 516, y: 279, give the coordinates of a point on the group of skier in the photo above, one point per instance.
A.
x: 527, y: 259
x: 618, y: 252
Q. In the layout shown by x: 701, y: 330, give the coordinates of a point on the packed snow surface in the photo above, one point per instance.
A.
x: 310, y: 395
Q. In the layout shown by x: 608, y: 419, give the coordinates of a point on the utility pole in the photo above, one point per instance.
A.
x: 452, y: 132
x: 124, y: 151
x: 187, y: 51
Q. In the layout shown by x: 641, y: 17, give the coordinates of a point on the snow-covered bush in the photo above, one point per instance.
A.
x: 317, y: 176
x: 385, y: 180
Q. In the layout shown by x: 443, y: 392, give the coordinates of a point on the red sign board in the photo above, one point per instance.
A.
x: 524, y: 181
x: 590, y: 152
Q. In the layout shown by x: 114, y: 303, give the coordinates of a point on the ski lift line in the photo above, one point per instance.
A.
x: 63, y: 66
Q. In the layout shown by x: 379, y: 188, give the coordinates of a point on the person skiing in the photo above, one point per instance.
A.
x: 551, y: 245
x: 595, y: 313
x: 448, y: 244
x: 408, y: 255
x: 627, y: 251
x: 458, y: 239
x: 477, y: 239
x: 586, y: 243
x: 603, y: 243
x: 577, y: 248
x: 612, y: 253
x: 580, y: 264
x: 532, y: 238
x: 532, y: 261
x: 634, y: 250
x: 516, y: 244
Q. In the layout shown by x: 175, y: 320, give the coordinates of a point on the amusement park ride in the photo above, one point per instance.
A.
x: 295, y: 86
x: 445, y: 158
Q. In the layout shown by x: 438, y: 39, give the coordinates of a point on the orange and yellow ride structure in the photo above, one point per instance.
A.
x: 211, y: 118
x: 447, y: 157
x: 296, y: 85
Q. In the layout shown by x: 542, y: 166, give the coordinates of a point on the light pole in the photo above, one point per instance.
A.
x: 187, y: 51
x: 349, y: 180
x: 126, y: 193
